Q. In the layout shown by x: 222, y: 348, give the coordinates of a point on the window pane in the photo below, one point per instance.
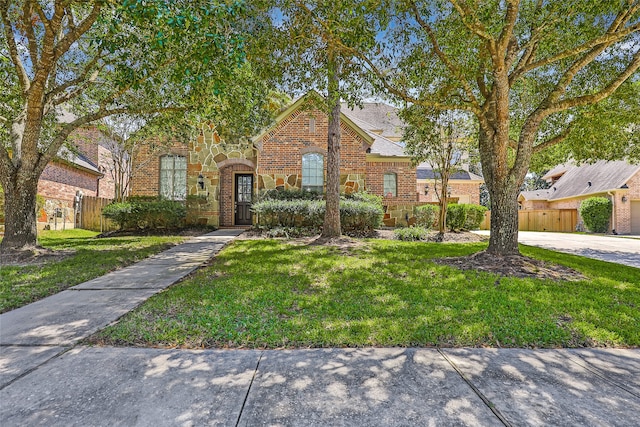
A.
x: 173, y: 177
x: 390, y: 186
x: 312, y: 172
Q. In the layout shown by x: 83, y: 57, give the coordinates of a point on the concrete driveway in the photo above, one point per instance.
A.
x: 621, y: 250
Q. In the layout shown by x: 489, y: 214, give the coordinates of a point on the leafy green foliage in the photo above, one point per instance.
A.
x: 142, y: 214
x: 386, y: 293
x: 356, y: 216
x: 475, y: 216
x: 596, y: 213
x: 426, y: 215
x: 411, y: 233
x: 289, y: 195
x: 456, y: 217
x: 89, y: 258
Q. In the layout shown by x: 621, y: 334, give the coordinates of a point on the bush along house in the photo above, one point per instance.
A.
x: 220, y: 179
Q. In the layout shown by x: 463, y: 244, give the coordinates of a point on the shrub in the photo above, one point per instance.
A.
x: 355, y: 215
x: 596, y: 212
x: 475, y: 216
x: 411, y: 233
x: 358, y: 216
x: 456, y: 217
x: 364, y: 196
x: 289, y: 195
x: 427, y: 215
x: 152, y: 214
x: 120, y: 213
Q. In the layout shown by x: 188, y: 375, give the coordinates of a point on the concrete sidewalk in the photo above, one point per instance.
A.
x: 47, y: 379
x: 34, y: 333
x: 326, y: 387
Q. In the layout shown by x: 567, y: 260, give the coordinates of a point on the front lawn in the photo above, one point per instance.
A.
x: 269, y: 294
x: 21, y: 285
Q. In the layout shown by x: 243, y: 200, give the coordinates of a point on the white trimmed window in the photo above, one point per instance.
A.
x: 390, y: 184
x: 313, y: 172
x: 173, y: 177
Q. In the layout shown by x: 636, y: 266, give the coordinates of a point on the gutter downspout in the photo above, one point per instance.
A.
x: 613, y: 213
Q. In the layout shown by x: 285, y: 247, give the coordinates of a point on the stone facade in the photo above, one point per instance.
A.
x: 275, y: 160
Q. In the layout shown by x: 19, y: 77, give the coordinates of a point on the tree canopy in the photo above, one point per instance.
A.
x: 86, y: 60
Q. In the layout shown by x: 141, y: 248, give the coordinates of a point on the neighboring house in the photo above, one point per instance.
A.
x: 74, y: 171
x: 464, y: 186
x: 618, y: 181
x: 219, y: 178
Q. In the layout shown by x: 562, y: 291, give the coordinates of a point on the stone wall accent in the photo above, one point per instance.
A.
x: 400, y: 215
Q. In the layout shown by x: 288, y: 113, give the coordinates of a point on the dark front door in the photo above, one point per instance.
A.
x: 244, y: 190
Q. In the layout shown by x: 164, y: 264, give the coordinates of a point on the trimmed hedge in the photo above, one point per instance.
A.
x: 475, y: 216
x: 427, y: 215
x: 289, y: 195
x: 357, y: 213
x: 456, y: 217
x: 596, y: 212
x: 146, y: 214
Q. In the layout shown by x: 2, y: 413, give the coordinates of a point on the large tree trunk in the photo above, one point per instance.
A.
x: 20, y: 220
x: 503, y: 239
x: 331, y: 226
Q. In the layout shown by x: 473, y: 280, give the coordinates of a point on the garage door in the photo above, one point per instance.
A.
x: 635, y: 217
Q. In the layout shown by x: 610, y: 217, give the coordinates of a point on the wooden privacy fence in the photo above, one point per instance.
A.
x: 563, y: 220
x: 90, y: 216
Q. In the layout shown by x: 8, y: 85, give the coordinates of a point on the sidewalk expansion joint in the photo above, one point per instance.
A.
x: 244, y: 402
x: 475, y: 389
x: 581, y: 362
x: 28, y: 371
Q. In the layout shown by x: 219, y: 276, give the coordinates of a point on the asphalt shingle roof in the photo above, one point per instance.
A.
x: 428, y: 173
x: 379, y: 116
x: 598, y: 177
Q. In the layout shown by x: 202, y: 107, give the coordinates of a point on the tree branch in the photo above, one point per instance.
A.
x: 63, y: 134
x: 553, y: 141
x: 606, y: 40
x: 443, y: 57
x: 580, y: 101
x: 475, y: 27
x: 27, y: 21
x: 77, y: 31
x: 23, y: 77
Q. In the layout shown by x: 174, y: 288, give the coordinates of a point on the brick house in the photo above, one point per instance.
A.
x: 82, y: 170
x: 219, y: 178
x: 618, y: 181
x: 464, y: 186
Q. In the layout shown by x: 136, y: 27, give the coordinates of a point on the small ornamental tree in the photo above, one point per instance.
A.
x: 596, y: 212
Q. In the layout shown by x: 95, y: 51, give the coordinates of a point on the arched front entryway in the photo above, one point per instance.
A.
x: 236, y: 193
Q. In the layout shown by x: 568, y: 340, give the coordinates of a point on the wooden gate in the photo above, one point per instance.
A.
x: 90, y: 216
x: 563, y: 220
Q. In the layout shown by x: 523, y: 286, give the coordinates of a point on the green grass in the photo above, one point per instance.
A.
x: 267, y: 294
x: 93, y: 257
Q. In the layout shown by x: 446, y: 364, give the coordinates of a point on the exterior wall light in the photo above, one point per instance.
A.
x: 624, y: 199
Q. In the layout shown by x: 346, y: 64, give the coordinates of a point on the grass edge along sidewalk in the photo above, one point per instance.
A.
x: 88, y: 258
x: 270, y: 294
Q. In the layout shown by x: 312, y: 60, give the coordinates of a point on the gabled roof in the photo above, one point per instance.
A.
x: 299, y: 103
x: 381, y: 145
x: 600, y: 177
x: 381, y: 117
x: 77, y: 159
x: 535, y: 195
x: 429, y: 173
x: 557, y: 171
